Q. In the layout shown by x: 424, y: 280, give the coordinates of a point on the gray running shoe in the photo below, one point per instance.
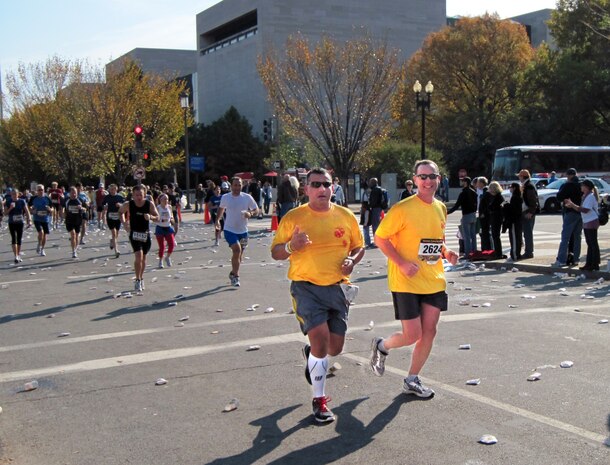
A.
x: 321, y: 412
x: 160, y: 263
x: 415, y: 387
x: 138, y: 285
x: 168, y: 262
x: 377, y: 362
x: 42, y: 253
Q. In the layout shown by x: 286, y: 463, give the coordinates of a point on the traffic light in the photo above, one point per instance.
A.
x: 266, y: 130
x: 146, y: 159
x: 133, y: 158
x: 137, y: 131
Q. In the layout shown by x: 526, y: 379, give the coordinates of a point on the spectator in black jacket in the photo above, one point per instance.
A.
x: 484, y: 199
x: 512, y: 221
x: 571, y: 229
x: 494, y: 212
x: 467, y: 201
x: 375, y: 203
x: 528, y: 218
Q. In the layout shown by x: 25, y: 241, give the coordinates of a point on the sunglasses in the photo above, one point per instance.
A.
x: 432, y: 176
x: 317, y: 184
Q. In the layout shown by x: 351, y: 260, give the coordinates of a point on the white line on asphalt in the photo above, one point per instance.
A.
x: 589, y: 435
x: 24, y: 281
x: 446, y: 318
x: 134, y: 359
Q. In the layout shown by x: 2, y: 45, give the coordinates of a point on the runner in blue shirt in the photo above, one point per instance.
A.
x: 42, y: 209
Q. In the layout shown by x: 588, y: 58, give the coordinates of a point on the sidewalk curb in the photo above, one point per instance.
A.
x: 542, y: 269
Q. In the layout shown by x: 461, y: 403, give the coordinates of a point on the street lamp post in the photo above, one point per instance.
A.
x: 184, y: 103
x: 423, y: 104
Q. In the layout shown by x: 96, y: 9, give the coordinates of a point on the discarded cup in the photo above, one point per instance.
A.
x: 465, y: 347
x: 254, y: 347
x: 30, y: 386
x: 334, y: 367
x: 160, y: 382
x: 534, y: 376
x: 566, y: 364
x: 488, y: 439
x: 474, y: 382
x: 232, y: 405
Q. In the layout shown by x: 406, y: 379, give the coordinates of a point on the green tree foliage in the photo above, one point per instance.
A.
x: 72, y: 122
x: 335, y: 96
x: 229, y: 146
x: 475, y: 67
x: 580, y: 28
x: 397, y: 156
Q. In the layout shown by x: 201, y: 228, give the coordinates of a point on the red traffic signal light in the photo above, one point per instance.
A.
x: 138, y: 130
x: 146, y: 159
x: 138, y: 136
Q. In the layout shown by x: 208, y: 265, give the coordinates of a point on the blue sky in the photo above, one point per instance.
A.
x: 100, y: 30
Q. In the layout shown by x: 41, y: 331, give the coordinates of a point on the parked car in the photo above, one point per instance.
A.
x: 547, y: 197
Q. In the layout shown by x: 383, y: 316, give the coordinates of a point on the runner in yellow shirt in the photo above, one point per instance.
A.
x: 412, y: 236
x: 323, y: 242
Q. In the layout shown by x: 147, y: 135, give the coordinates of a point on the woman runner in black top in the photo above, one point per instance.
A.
x: 141, y: 212
x: 73, y: 218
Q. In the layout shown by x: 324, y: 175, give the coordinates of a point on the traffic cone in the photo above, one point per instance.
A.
x: 206, y: 215
x: 274, y: 219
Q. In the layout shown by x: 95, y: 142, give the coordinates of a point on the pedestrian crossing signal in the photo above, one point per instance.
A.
x: 146, y: 159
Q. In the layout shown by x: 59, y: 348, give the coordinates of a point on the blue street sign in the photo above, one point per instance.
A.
x: 197, y: 163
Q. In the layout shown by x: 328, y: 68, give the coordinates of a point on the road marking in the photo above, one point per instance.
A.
x: 24, y: 281
x: 134, y: 359
x: 445, y: 318
x: 589, y: 435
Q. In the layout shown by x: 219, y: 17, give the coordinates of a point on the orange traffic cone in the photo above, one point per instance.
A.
x: 206, y: 215
x: 274, y: 219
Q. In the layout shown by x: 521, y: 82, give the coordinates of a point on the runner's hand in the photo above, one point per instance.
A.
x: 409, y: 269
x: 347, y: 266
x: 299, y: 239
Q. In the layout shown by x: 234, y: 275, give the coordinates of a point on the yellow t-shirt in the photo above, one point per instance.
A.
x: 333, y: 234
x: 416, y: 229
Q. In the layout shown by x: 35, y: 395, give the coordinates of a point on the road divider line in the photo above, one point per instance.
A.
x: 445, y: 318
x: 588, y: 435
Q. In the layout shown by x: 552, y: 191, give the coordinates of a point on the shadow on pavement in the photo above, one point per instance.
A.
x: 163, y: 304
x: 353, y: 435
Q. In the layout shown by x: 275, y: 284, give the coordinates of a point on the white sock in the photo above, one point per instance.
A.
x: 317, y: 371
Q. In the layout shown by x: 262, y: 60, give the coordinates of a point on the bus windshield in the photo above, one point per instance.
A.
x: 506, y: 165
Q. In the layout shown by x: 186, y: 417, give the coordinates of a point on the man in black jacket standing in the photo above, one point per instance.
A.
x: 484, y: 199
x: 571, y: 229
x: 528, y: 217
x: 467, y: 201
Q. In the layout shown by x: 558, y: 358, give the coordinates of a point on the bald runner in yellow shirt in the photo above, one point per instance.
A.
x: 323, y: 242
x: 412, y: 236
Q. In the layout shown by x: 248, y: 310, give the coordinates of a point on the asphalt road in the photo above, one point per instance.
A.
x: 97, y: 402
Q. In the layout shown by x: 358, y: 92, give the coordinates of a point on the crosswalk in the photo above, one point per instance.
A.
x: 452, y: 240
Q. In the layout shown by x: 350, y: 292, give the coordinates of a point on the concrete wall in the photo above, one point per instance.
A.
x: 537, y: 20
x: 164, y: 62
x: 228, y: 76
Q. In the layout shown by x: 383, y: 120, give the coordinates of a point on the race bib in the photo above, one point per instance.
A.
x: 42, y: 213
x: 74, y: 209
x: 139, y: 236
x: 113, y: 215
x: 17, y: 218
x: 430, y: 250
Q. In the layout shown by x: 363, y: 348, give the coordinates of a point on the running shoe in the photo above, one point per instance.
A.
x: 306, y: 350
x: 43, y: 253
x: 38, y: 248
x: 74, y: 254
x: 117, y: 254
x: 19, y: 258
x: 168, y: 262
x: 415, y: 387
x: 236, y: 282
x: 82, y: 242
x: 160, y: 263
x: 111, y: 245
x: 137, y: 285
x: 216, y: 243
x: 377, y: 362
x: 321, y: 412
x: 16, y: 261
x: 142, y: 286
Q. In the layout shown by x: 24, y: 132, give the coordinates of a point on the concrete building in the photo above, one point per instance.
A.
x: 537, y: 27
x: 164, y: 62
x: 232, y: 34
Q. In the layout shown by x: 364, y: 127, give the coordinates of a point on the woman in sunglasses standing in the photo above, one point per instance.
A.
x: 412, y: 236
x: 323, y: 242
